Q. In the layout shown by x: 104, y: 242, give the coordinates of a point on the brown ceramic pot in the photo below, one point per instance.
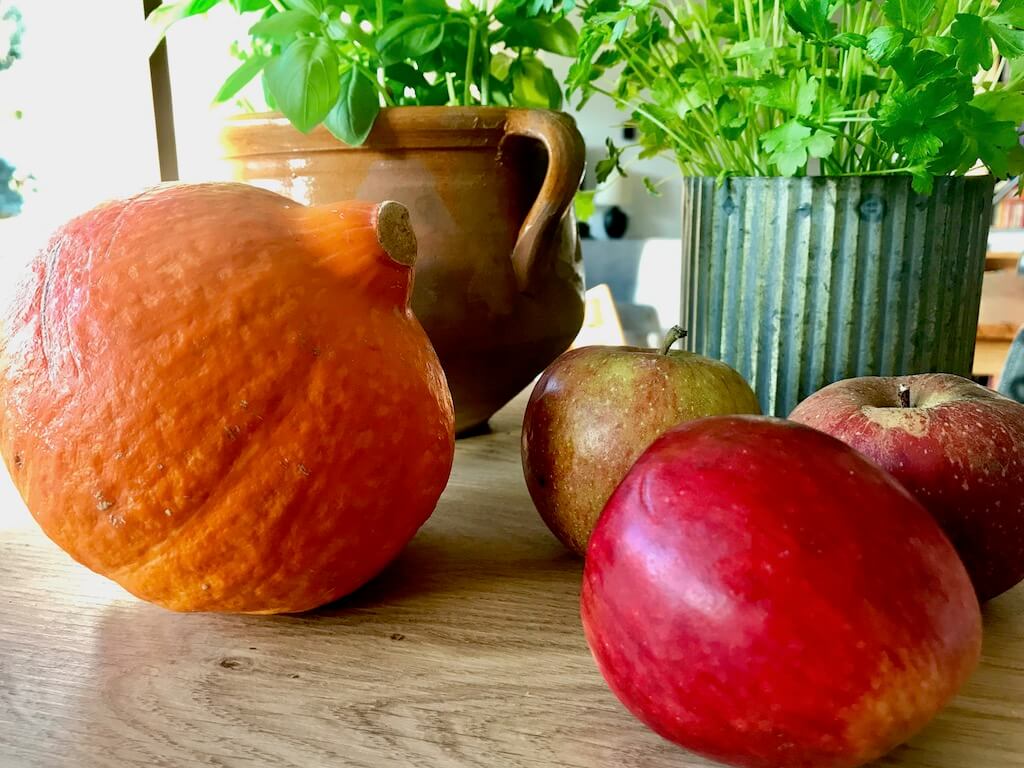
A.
x: 498, y: 280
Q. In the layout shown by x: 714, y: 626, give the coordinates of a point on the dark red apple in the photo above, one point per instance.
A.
x: 955, y: 445
x: 595, y: 410
x: 760, y: 593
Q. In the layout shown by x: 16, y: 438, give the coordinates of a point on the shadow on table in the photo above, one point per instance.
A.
x: 442, y: 564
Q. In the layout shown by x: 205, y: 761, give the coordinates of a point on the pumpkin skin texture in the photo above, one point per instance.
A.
x: 221, y: 400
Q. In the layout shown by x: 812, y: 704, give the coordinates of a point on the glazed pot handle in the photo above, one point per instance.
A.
x: 566, y: 156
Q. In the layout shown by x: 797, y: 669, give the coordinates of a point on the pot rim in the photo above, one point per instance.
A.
x: 396, y: 128
x: 978, y: 178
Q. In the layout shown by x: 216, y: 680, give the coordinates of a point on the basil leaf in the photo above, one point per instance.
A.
x: 244, y: 6
x: 500, y: 65
x: 267, y: 95
x: 163, y: 16
x: 409, y: 37
x: 241, y: 77
x: 559, y: 37
x: 284, y: 27
x: 312, y: 7
x: 352, y: 117
x: 430, y: 7
x: 534, y: 85
x: 304, y: 81
x: 405, y: 74
x: 507, y: 11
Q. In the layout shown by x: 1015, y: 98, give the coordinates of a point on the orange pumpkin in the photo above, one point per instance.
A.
x: 220, y: 398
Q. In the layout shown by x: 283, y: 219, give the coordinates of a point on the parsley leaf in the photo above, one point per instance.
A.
x: 1003, y: 26
x: 789, y: 145
x: 1009, y: 12
x: 883, y: 42
x: 610, y: 164
x: 912, y: 14
x: 812, y: 18
x: 992, y: 138
x: 1009, y: 41
x: 973, y: 46
x: 1002, y: 105
x: 921, y: 146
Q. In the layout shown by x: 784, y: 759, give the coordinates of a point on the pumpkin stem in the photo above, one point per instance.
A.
x: 394, y: 232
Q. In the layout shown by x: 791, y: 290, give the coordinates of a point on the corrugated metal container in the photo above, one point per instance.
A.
x: 797, y: 283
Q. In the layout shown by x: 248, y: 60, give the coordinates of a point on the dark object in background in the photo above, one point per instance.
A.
x: 615, y: 222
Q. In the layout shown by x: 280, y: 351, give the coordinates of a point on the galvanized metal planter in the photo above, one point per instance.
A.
x: 801, y: 282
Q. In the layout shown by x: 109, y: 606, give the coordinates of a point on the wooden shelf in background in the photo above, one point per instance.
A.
x: 1001, y: 316
x: 996, y: 260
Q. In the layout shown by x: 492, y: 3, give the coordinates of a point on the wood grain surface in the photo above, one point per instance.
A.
x: 467, y: 651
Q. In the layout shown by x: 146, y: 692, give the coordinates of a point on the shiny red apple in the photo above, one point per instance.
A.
x: 760, y: 593
x: 955, y: 445
x: 594, y: 411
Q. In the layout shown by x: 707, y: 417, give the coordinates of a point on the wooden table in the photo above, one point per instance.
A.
x: 1001, y: 316
x: 467, y: 651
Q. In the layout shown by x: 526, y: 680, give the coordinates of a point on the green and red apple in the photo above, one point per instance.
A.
x: 596, y: 409
x: 955, y: 445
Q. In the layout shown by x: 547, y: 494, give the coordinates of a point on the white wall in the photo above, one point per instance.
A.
x: 87, y: 133
x: 199, y: 57
x: 650, y: 216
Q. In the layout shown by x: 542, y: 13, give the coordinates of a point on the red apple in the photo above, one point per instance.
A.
x: 595, y: 410
x: 955, y: 445
x: 760, y: 593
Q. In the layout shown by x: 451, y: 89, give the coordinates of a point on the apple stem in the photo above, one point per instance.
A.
x: 675, y: 333
x: 904, y: 393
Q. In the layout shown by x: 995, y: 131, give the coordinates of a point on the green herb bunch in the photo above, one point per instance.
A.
x: 338, y: 61
x: 763, y: 87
